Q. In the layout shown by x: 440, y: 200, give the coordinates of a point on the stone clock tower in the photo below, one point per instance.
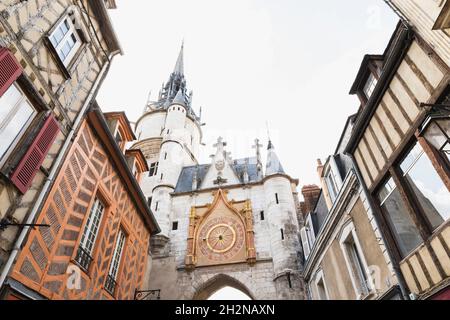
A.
x: 225, y: 223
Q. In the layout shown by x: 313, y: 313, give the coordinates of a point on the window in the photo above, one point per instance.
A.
x: 162, y: 176
x: 175, y: 225
x: 394, y: 209
x: 65, y: 40
x: 438, y: 134
x: 282, y: 234
x: 16, y: 114
x: 262, y: 215
x: 118, y: 137
x: 165, y: 156
x: 276, y: 198
x: 331, y: 185
x: 305, y: 243
x: 355, y: 261
x: 321, y: 289
x: 427, y: 187
x: 370, y: 85
x: 86, y: 247
x: 156, y: 205
x: 111, y: 279
x: 153, y: 169
x: 149, y: 202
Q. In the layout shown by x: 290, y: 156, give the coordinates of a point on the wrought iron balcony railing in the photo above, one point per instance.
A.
x: 83, y: 259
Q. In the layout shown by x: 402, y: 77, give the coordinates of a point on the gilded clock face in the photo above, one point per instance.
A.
x: 221, y: 238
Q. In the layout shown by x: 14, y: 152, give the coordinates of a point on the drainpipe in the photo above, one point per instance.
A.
x: 54, y: 171
x: 396, y: 267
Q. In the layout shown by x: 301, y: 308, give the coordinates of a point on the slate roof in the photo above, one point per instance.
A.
x: 185, y: 180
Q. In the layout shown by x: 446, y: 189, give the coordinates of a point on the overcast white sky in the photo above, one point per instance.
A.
x: 288, y: 62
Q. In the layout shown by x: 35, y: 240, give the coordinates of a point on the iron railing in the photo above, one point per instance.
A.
x: 83, y: 259
x: 110, y: 284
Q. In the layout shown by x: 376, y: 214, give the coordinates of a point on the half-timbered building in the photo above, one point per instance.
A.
x: 400, y: 145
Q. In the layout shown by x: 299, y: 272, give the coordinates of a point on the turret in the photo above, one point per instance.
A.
x: 284, y: 230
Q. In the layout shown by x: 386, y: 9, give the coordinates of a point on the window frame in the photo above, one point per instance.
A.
x: 16, y: 141
x: 71, y: 30
x: 99, y: 194
x: 331, y: 183
x: 413, y: 207
x: 319, y: 277
x: 362, y: 282
x: 370, y: 83
x: 80, y: 33
x: 118, y: 267
x: 153, y: 166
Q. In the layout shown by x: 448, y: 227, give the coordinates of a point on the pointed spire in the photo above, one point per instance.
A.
x: 179, y: 66
x: 179, y: 98
x: 273, y: 165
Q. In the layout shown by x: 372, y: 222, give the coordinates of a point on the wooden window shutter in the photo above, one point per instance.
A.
x: 10, y: 70
x: 26, y: 170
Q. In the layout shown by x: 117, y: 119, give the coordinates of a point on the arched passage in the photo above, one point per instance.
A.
x: 219, y: 282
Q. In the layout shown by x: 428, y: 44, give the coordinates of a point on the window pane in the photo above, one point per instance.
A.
x: 14, y: 126
x: 65, y: 26
x: 370, y: 86
x: 8, y: 102
x: 446, y: 150
x: 411, y: 158
x: 430, y: 190
x: 403, y: 228
x: 331, y: 186
x: 57, y: 36
x: 435, y: 136
x: 92, y: 226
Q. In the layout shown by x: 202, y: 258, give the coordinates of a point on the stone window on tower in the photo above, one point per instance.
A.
x: 276, y: 198
x: 282, y: 233
x: 370, y: 85
x: 262, y: 215
x: 65, y: 40
x: 156, y: 206
x: 153, y: 169
x: 90, y: 233
x: 165, y: 156
x: 175, y: 225
x: 16, y: 114
x: 111, y: 279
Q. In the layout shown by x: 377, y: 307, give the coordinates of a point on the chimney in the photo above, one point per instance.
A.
x: 319, y: 168
x: 310, y: 195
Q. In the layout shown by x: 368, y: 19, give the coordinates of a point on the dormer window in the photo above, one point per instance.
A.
x: 370, y: 85
x: 331, y: 185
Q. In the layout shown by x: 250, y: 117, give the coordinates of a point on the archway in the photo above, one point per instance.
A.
x: 219, y: 282
x: 229, y: 293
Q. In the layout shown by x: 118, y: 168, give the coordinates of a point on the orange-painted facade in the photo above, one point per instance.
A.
x: 47, y: 262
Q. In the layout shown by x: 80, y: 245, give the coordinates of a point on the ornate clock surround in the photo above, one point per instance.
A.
x: 220, y: 233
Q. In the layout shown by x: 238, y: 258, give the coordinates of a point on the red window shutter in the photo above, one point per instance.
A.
x: 23, y: 175
x: 10, y: 70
